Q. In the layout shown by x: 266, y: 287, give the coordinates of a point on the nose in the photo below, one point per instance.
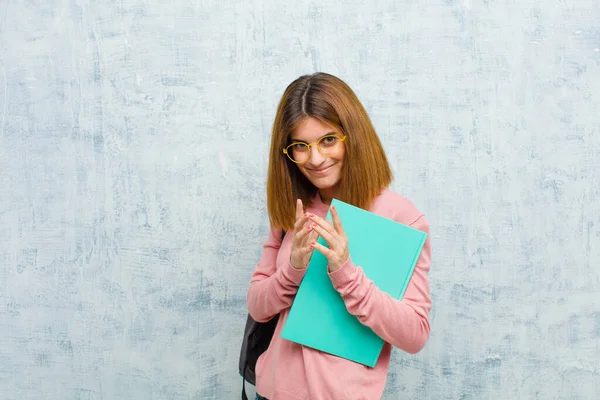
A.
x: 316, y: 158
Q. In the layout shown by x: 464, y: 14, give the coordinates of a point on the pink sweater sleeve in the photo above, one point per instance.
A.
x: 403, y: 323
x: 272, y: 289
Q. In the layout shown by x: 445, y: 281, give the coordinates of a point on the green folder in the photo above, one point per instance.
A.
x: 387, y: 251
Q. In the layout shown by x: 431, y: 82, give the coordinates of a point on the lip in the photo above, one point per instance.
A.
x: 322, y: 171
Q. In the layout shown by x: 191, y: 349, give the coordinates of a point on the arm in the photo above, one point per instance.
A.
x: 403, y: 323
x: 271, y: 289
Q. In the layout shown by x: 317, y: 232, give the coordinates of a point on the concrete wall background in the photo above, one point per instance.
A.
x: 133, y: 150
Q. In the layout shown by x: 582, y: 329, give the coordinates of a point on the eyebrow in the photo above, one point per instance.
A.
x: 303, y: 141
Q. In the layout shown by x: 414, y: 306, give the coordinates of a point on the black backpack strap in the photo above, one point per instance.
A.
x: 244, y: 369
x: 244, y: 395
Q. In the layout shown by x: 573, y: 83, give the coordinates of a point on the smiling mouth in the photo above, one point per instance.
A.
x: 320, y: 171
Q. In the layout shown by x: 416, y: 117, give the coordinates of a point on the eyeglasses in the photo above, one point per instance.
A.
x: 328, y: 146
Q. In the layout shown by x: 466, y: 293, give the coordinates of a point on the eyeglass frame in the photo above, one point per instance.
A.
x: 341, y: 138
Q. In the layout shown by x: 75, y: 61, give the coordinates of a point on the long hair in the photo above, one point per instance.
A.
x: 366, y: 171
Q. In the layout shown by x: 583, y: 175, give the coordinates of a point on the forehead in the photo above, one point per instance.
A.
x: 311, y: 129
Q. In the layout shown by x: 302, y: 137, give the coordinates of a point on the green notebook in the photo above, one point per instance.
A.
x: 387, y: 251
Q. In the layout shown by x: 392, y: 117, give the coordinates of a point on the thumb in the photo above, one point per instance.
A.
x: 299, y: 209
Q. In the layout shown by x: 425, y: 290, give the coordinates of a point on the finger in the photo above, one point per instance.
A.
x: 323, y: 223
x: 300, y: 222
x: 306, y: 239
x: 304, y: 234
x: 313, y: 236
x: 329, y: 238
x: 299, y: 209
x: 337, y: 222
x: 322, y: 249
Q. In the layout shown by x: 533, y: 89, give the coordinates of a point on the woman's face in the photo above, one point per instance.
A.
x: 322, y: 168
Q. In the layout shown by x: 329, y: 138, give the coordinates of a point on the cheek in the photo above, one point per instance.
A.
x: 340, y: 157
x: 340, y: 161
x: 303, y: 171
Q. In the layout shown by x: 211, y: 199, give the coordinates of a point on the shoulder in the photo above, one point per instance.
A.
x: 392, y: 205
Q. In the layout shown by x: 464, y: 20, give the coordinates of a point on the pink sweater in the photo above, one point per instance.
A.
x: 290, y: 371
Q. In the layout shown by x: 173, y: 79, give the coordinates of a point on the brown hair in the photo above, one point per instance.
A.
x: 330, y: 100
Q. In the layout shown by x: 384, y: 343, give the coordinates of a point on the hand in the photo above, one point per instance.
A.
x: 303, y: 236
x: 336, y: 239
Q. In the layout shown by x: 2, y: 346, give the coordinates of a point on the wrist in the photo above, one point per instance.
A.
x: 334, y: 267
x: 294, y: 264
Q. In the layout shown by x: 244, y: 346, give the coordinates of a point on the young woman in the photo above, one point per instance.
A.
x: 324, y: 146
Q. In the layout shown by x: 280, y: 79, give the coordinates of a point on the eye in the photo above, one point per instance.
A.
x: 299, y: 147
x: 329, y: 140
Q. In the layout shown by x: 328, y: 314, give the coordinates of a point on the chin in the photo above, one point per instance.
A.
x: 325, y: 184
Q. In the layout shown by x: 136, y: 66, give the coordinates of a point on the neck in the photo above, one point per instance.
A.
x: 327, y: 195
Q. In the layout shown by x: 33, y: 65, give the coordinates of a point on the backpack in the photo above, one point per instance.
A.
x: 257, y: 337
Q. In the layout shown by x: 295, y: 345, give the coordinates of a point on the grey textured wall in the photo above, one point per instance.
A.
x: 133, y: 151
